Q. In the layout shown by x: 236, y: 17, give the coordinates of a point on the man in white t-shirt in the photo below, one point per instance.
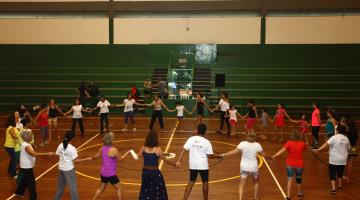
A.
x: 248, y: 164
x: 103, y: 105
x: 200, y: 150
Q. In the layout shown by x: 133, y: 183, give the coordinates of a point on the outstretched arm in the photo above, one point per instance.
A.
x: 160, y: 152
x: 122, y: 157
x: 71, y: 110
x: 97, y: 155
x: 282, y: 150
x: 178, y: 163
x: 162, y: 104
x: 286, y: 114
x: 230, y: 153
x: 31, y: 151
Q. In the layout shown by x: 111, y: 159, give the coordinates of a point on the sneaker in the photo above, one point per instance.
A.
x: 274, y: 139
x: 333, y: 192
x: 46, y: 142
x: 300, y: 194
x: 124, y: 129
x: 15, y: 177
x: 41, y: 144
x: 134, y: 129
x: 219, y: 132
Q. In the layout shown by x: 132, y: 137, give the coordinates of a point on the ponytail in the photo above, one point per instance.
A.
x: 65, y: 143
x: 68, y: 136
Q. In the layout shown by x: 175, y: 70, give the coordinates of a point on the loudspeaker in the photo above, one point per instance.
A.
x: 219, y: 80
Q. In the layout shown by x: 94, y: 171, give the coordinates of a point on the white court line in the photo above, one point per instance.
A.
x: 52, y: 167
x: 275, y: 179
x: 168, y: 144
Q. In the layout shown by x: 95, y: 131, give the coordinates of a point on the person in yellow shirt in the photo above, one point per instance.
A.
x: 10, y: 143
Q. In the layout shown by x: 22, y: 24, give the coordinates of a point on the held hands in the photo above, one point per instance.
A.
x: 178, y: 164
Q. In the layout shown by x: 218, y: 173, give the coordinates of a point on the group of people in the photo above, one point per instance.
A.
x: 341, y: 138
x: 200, y: 150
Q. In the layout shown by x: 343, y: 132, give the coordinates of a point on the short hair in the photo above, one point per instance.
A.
x: 178, y: 103
x: 341, y: 129
x: 151, y: 140
x: 108, y: 138
x: 201, y: 129
x: 251, y: 136
x: 295, y: 135
x: 25, y: 133
x: 226, y: 95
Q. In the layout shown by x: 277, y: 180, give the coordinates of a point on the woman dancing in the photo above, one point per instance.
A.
x: 157, y: 104
x: 42, y: 119
x: 129, y: 111
x: 279, y: 120
x: 251, y: 116
x: 109, y: 156
x: 224, y: 107
x: 67, y: 175
x: 152, y: 182
x: 53, y: 111
x: 294, y: 162
x: 200, y: 103
x: 77, y: 110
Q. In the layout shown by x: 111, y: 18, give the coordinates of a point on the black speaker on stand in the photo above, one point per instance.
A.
x: 219, y: 82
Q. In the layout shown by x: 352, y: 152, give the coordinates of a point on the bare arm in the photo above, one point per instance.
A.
x: 59, y: 110
x: 71, y: 110
x: 97, y: 155
x: 120, y: 158
x: 206, y: 105
x: 286, y: 114
x: 325, y: 145
x: 140, y: 152
x: 162, y: 103
x: 30, y: 151
x: 230, y: 153
x: 282, y: 150
x: 256, y: 113
x: 160, y: 152
x: 180, y: 157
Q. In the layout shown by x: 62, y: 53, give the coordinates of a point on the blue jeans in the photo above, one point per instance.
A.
x: 12, y: 163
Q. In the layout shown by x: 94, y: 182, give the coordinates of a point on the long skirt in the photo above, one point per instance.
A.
x: 153, y: 186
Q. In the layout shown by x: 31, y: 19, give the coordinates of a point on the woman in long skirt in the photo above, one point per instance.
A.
x: 152, y: 182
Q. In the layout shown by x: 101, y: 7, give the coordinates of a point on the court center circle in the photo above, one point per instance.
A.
x: 261, y: 162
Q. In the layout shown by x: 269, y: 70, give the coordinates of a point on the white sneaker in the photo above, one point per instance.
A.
x: 134, y: 129
x: 124, y: 129
x: 15, y: 177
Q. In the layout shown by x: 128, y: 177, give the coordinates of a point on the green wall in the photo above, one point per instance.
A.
x: 269, y: 74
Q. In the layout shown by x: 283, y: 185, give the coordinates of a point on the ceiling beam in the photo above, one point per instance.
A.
x: 181, y: 6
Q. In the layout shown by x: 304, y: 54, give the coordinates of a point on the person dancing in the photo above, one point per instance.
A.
x: 249, y: 164
x: 152, y: 182
x: 77, y: 117
x: 157, y: 104
x: 200, y: 103
x: 200, y: 149
x: 109, y: 157
x: 224, y: 107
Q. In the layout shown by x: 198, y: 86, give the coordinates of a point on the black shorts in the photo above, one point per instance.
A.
x: 336, y: 170
x: 112, y: 179
x: 204, y: 174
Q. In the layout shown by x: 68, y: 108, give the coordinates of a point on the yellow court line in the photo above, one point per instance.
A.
x: 52, y: 167
x: 275, y: 179
x: 168, y: 144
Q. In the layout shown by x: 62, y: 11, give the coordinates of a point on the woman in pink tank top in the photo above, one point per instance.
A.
x: 109, y: 157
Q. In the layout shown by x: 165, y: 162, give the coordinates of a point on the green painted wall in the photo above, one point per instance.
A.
x: 291, y: 74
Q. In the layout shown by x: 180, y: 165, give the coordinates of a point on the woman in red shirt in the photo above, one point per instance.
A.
x: 294, y: 162
x: 315, y: 124
x: 42, y: 119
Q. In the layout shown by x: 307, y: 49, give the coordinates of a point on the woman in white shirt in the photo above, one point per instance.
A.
x: 103, y: 105
x: 67, y: 175
x: 339, y: 146
x: 248, y: 164
x: 224, y: 107
x: 129, y: 111
x: 27, y: 163
x: 180, y: 108
x: 76, y: 109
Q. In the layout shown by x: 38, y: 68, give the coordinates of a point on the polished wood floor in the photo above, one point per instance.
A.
x: 316, y: 181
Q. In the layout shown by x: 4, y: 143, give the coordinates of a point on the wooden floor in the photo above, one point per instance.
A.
x: 224, y: 174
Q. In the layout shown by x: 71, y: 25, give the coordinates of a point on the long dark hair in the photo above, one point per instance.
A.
x: 68, y: 136
x: 151, y: 140
x: 10, y: 121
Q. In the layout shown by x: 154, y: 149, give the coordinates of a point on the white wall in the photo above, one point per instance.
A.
x: 313, y: 30
x: 54, y: 31
x: 227, y: 30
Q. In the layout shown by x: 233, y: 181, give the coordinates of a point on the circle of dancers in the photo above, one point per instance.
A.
x: 341, y: 140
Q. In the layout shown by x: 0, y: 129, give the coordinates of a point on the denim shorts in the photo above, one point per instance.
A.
x: 291, y: 171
